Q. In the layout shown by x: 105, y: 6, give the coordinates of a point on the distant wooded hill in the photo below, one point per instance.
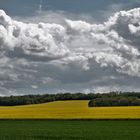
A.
x: 106, y: 99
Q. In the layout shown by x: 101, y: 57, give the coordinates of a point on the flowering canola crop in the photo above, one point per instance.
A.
x: 68, y: 110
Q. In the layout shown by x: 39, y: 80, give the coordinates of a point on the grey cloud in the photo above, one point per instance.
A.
x: 73, y: 55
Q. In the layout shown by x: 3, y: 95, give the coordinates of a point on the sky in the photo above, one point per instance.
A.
x: 54, y: 46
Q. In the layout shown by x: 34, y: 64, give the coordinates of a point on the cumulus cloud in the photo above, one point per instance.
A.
x: 72, y: 56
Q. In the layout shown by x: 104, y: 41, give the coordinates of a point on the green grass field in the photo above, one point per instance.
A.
x: 69, y: 130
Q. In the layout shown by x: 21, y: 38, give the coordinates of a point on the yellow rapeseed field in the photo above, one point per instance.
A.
x: 68, y: 110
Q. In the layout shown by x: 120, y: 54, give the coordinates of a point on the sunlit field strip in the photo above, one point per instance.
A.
x: 68, y: 110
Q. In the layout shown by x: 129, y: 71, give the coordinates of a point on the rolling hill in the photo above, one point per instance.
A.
x: 68, y: 110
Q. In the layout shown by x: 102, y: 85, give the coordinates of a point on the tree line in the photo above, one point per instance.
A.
x: 114, y: 101
x: 106, y: 99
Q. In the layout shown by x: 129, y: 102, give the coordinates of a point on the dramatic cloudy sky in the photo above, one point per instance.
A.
x: 51, y: 46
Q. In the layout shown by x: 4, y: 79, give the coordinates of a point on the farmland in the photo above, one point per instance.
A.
x: 68, y: 120
x: 68, y: 110
x: 69, y: 130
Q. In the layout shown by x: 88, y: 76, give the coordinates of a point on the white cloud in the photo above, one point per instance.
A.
x: 35, y: 55
x: 34, y: 86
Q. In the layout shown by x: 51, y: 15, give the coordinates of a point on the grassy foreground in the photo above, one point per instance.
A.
x: 69, y: 130
x: 68, y: 110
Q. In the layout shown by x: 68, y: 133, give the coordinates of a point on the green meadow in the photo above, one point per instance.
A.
x: 69, y: 130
